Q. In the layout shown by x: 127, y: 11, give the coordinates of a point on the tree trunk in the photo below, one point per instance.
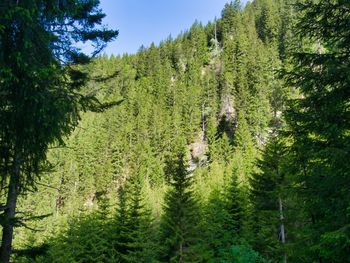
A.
x: 9, y: 213
x: 283, y: 236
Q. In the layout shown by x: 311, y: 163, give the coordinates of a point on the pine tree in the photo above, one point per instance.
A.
x: 319, y: 126
x: 40, y: 83
x: 120, y: 229
x: 266, y: 195
x: 178, y: 233
x: 140, y: 247
x: 217, y: 235
x: 234, y: 207
x: 245, y: 152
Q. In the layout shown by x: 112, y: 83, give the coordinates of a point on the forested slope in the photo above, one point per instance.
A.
x: 197, y: 164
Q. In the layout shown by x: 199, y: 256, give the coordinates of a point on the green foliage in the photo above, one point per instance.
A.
x: 234, y: 206
x: 178, y: 226
x: 266, y: 192
x: 218, y: 231
x: 133, y: 233
x: 41, y: 89
x: 34, y: 76
x: 319, y: 128
x: 240, y: 254
x: 207, y: 98
x: 86, y: 240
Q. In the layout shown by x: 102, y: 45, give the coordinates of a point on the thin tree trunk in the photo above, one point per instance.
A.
x: 9, y: 213
x: 283, y: 235
x: 181, y: 253
x: 203, y: 122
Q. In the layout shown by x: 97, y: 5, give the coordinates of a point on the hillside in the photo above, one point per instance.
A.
x: 202, y: 160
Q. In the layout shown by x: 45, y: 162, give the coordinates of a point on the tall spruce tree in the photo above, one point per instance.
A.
x: 40, y: 99
x: 319, y: 125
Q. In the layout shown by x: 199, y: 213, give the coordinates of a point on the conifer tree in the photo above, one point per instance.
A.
x: 319, y: 126
x: 140, y: 247
x: 178, y: 229
x: 266, y: 195
x: 234, y: 207
x: 40, y: 83
x: 230, y: 17
x: 120, y: 229
x: 245, y: 152
x: 86, y: 240
x: 268, y: 22
x: 217, y: 234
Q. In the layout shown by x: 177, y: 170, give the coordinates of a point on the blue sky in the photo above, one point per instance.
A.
x: 146, y: 21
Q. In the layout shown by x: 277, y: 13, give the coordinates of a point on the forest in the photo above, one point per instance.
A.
x: 229, y: 143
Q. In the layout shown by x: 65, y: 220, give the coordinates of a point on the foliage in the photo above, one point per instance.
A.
x: 319, y: 128
x: 178, y: 227
x: 212, y: 155
x: 41, y: 81
x: 240, y: 254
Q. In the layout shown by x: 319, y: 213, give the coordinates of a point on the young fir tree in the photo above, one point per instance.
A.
x: 244, y: 150
x: 120, y: 232
x: 131, y: 230
x: 140, y: 247
x: 267, y: 224
x: 178, y: 229
x: 216, y: 234
x: 86, y: 240
x: 234, y: 207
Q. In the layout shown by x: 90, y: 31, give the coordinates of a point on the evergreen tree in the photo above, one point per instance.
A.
x: 223, y: 99
x: 140, y: 247
x: 40, y: 81
x: 266, y: 195
x: 217, y: 235
x: 268, y: 22
x: 229, y: 21
x: 178, y: 231
x: 319, y: 126
x: 245, y: 152
x: 234, y: 207
x: 86, y: 240
x: 120, y: 229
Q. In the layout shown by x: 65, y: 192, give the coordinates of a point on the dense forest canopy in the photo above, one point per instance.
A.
x: 229, y: 143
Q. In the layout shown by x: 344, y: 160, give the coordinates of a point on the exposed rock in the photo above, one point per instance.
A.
x: 227, y: 109
x: 198, y: 150
x: 227, y: 116
x: 89, y: 202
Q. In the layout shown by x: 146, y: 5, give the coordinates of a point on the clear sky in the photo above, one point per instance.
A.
x: 146, y: 21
